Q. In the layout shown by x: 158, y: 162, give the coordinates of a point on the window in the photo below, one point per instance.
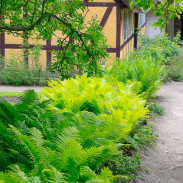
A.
x: 125, y: 27
x: 130, y: 25
x: 142, y: 18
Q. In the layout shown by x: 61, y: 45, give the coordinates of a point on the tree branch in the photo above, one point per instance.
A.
x: 28, y: 28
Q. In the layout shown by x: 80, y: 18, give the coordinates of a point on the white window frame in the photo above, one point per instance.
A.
x: 129, y: 24
x: 144, y: 17
x: 125, y: 27
x: 140, y: 19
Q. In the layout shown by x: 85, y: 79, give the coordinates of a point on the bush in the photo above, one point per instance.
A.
x: 71, y: 133
x: 175, y: 69
x: 16, y: 72
x: 169, y: 52
x: 147, y: 71
x: 125, y: 165
x: 160, y: 48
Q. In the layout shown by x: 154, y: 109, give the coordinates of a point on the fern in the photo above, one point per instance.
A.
x: 146, y: 70
x: 8, y: 177
x: 69, y: 134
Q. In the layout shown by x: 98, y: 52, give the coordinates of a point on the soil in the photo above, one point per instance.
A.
x: 164, y: 163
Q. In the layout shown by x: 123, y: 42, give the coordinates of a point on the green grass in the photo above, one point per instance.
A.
x: 15, y: 94
x: 11, y: 94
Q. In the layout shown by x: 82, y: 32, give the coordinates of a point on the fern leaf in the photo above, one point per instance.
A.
x: 9, y: 177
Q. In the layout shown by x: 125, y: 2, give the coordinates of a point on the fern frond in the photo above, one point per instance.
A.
x: 34, y: 179
x: 8, y: 177
x: 8, y: 113
x: 34, y: 149
x: 15, y: 168
x: 52, y: 175
x: 27, y: 99
x: 68, y: 133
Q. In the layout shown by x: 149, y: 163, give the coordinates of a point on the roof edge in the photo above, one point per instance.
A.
x: 122, y: 3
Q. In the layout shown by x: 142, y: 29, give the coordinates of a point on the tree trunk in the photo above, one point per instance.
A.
x: 170, y: 25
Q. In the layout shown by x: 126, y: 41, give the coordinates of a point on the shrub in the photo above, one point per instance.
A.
x: 148, y: 72
x: 175, y: 69
x: 156, y: 109
x: 71, y: 133
x: 169, y: 52
x: 160, y: 48
x: 16, y: 72
x: 125, y: 165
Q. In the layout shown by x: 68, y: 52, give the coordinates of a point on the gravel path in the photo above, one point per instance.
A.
x: 5, y: 88
x: 19, y: 88
x: 164, y: 164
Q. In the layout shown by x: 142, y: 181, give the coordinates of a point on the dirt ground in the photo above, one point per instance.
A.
x: 19, y: 88
x: 164, y: 163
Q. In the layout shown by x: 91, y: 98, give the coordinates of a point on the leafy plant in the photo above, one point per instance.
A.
x: 128, y: 163
x: 175, y: 69
x: 160, y: 48
x: 81, y: 43
x: 157, y: 109
x: 165, y: 10
x: 147, y: 71
x: 68, y: 136
x: 16, y: 72
x: 125, y: 165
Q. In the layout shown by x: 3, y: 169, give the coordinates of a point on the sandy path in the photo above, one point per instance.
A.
x: 19, y: 88
x: 165, y: 162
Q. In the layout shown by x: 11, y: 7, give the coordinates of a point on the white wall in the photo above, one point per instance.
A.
x: 150, y: 30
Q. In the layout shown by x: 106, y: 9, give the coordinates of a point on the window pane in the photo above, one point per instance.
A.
x: 125, y: 27
x: 130, y: 24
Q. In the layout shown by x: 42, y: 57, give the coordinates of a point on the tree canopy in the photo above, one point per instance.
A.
x: 81, y: 45
x: 163, y: 9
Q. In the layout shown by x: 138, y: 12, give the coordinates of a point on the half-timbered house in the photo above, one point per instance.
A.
x: 119, y: 23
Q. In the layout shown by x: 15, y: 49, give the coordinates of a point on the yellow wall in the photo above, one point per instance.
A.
x: 109, y: 31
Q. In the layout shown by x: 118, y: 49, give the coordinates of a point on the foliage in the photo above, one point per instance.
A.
x: 129, y: 163
x: 81, y: 43
x: 125, y: 165
x: 157, y: 109
x: 157, y: 60
x: 71, y: 133
x: 16, y: 72
x: 144, y: 135
x: 164, y: 10
x: 160, y: 48
x: 175, y: 69
x: 148, y: 72
x: 11, y: 94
